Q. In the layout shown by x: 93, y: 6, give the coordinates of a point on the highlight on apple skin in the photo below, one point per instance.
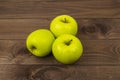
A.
x: 67, y: 49
x: 39, y: 42
x: 63, y: 24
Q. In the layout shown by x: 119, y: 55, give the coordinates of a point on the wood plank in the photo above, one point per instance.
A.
x: 48, y: 9
x: 96, y: 52
x: 88, y: 28
x: 19, y: 29
x: 99, y: 29
x: 74, y: 72
x: 35, y: 0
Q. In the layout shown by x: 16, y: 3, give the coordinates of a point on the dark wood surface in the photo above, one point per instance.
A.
x: 99, y: 31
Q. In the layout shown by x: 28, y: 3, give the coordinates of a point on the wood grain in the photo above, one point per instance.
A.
x: 99, y: 32
x: 96, y: 52
x: 88, y: 28
x: 47, y: 9
x: 40, y: 72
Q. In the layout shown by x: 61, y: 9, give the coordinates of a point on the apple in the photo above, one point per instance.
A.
x: 39, y: 42
x: 67, y: 49
x: 63, y: 24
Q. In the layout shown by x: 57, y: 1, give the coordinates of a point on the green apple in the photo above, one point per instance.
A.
x: 39, y: 42
x: 67, y: 49
x: 63, y: 24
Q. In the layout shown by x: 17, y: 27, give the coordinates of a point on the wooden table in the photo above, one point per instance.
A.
x: 99, y: 31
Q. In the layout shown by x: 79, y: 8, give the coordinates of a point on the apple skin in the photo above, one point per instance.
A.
x: 67, y: 49
x: 39, y: 42
x: 63, y: 24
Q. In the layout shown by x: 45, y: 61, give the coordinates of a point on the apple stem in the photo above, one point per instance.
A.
x: 68, y: 42
x: 33, y: 47
x: 65, y: 20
